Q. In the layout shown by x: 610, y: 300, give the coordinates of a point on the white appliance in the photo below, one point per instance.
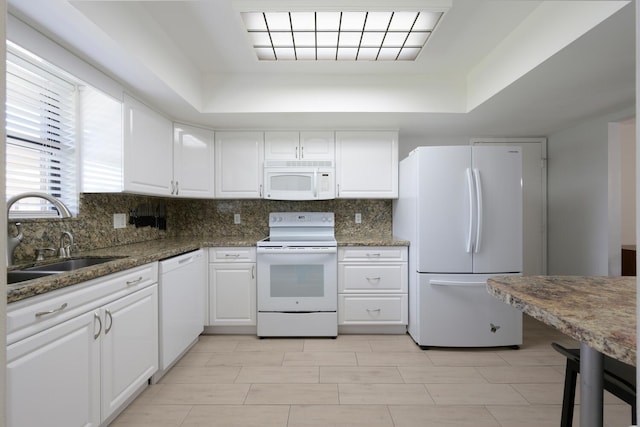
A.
x: 181, y: 292
x: 299, y: 180
x: 461, y: 209
x: 297, y: 276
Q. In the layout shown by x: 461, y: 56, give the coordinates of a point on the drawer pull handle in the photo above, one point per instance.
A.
x: 96, y: 316
x: 108, y: 328
x: 231, y: 255
x: 133, y: 282
x: 375, y: 254
x: 374, y: 310
x: 373, y: 279
x: 55, y: 310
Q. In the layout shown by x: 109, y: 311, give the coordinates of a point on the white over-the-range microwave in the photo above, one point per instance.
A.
x: 299, y: 180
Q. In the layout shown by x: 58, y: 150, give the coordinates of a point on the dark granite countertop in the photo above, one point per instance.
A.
x: 136, y: 254
x: 599, y: 311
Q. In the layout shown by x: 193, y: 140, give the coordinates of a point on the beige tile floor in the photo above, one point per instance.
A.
x: 361, y: 380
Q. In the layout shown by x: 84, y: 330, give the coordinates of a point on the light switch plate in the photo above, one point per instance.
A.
x: 358, y: 218
x: 119, y: 220
x: 236, y: 218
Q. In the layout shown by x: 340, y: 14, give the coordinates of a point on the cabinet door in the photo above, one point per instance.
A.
x: 129, y: 346
x: 238, y: 158
x: 193, y: 162
x: 148, y: 154
x: 281, y: 145
x: 53, y: 377
x: 366, y: 164
x: 232, y: 294
x: 317, y: 145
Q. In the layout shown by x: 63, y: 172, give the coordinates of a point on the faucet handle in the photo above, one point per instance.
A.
x: 40, y: 253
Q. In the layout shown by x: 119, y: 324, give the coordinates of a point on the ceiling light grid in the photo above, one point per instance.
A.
x: 340, y: 36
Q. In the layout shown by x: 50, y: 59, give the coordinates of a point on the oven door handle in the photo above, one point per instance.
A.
x: 296, y: 251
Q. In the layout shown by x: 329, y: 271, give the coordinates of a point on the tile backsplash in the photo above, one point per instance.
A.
x: 93, y: 227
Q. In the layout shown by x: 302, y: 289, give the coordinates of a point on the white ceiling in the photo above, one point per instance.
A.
x: 491, y: 68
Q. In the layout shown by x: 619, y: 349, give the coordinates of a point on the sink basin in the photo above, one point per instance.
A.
x: 69, y: 265
x: 21, y: 275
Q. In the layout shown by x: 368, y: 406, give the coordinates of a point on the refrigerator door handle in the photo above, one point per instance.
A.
x: 457, y: 284
x: 470, y: 188
x: 476, y: 175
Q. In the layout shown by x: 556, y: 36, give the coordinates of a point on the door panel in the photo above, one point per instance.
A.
x: 498, y: 246
x: 534, y: 194
x: 444, y: 205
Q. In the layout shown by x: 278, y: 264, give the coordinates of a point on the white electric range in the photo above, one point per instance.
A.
x: 297, y: 276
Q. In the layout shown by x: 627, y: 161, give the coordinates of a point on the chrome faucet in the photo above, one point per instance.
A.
x: 65, y: 251
x: 14, y: 241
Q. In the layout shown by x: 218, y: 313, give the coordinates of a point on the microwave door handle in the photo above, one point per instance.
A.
x: 315, y: 184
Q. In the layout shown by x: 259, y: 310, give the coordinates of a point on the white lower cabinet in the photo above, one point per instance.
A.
x: 129, y: 346
x: 53, y: 378
x: 75, y: 356
x: 372, y: 286
x: 232, y: 286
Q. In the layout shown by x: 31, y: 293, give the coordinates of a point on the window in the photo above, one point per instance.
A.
x: 41, y: 134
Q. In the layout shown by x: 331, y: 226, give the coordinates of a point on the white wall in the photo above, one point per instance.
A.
x: 578, y: 197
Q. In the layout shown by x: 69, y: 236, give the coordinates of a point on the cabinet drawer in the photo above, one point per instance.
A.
x: 231, y: 254
x: 372, y: 278
x: 373, y: 253
x: 372, y: 309
x: 38, y: 313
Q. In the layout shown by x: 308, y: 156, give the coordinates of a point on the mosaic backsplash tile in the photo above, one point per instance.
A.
x: 93, y: 228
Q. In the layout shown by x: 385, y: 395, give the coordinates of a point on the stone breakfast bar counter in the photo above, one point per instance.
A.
x: 600, y: 312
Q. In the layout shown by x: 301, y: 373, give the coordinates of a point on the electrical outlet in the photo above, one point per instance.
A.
x: 236, y: 218
x: 119, y: 220
x: 358, y: 218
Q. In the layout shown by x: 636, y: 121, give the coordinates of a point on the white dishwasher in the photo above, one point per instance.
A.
x: 182, y: 283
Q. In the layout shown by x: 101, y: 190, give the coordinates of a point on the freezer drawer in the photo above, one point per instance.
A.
x: 457, y: 311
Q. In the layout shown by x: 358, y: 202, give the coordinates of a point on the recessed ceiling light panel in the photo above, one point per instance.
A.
x: 340, y: 36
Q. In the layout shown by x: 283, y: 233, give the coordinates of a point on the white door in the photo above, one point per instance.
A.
x: 370, y: 175
x: 282, y: 145
x: 498, y: 230
x: 317, y: 145
x: 59, y: 369
x: 192, y: 162
x: 148, y: 153
x: 239, y: 160
x: 444, y: 209
x: 232, y: 294
x: 534, y: 194
x: 129, y: 346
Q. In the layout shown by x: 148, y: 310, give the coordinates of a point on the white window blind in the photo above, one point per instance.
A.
x: 40, y: 127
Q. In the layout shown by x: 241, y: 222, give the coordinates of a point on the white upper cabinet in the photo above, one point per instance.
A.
x: 193, y: 162
x: 367, y: 164
x: 292, y: 145
x: 148, y: 150
x: 238, y: 164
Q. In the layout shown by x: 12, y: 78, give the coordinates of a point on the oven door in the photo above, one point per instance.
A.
x: 291, y: 280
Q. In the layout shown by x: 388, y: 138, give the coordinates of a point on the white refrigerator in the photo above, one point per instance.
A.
x: 461, y: 209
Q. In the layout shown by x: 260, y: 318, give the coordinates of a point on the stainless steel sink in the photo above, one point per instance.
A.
x: 69, y: 265
x: 15, y: 276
